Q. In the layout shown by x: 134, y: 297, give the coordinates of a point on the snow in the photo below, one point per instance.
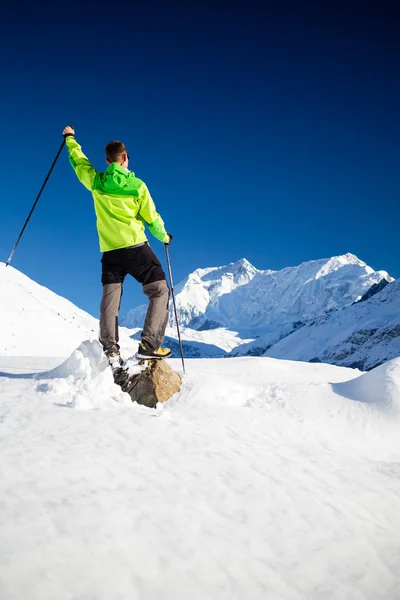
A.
x: 379, y: 387
x: 262, y: 478
x: 267, y: 303
x: 200, y: 292
x: 273, y: 305
x: 213, y: 343
x: 300, y: 313
x: 36, y: 321
x: 366, y: 334
x: 84, y: 380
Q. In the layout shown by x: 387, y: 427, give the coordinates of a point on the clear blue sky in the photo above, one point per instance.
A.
x: 266, y: 133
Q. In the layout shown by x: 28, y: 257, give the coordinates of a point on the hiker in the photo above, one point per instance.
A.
x: 123, y: 204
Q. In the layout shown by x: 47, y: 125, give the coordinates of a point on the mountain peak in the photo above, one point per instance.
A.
x: 251, y: 301
x: 241, y: 266
x: 336, y: 263
x: 243, y: 262
x: 352, y: 258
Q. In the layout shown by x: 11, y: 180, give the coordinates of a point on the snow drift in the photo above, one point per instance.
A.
x: 380, y: 387
x: 84, y: 380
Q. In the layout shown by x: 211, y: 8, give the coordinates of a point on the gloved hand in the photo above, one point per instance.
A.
x: 170, y: 239
x: 68, y: 131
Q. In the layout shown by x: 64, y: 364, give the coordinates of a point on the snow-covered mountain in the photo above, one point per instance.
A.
x: 303, y: 313
x: 336, y: 310
x: 37, y: 322
x: 279, y: 302
x: 273, y: 303
x: 363, y: 335
x: 197, y: 296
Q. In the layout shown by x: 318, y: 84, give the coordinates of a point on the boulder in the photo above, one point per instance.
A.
x: 156, y: 383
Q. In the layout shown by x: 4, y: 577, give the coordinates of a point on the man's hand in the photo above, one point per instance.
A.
x: 68, y: 131
x: 170, y: 239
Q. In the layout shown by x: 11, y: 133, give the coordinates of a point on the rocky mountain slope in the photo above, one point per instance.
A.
x: 298, y: 312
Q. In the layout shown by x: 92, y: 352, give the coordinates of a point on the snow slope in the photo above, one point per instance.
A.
x: 260, y: 479
x: 302, y: 325
x: 273, y: 303
x: 363, y: 335
x: 213, y: 343
x: 199, y: 293
x: 36, y: 321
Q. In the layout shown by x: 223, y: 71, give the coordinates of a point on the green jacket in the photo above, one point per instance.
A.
x: 122, y: 202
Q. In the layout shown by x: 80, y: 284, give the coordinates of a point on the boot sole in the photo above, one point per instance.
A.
x: 147, y: 357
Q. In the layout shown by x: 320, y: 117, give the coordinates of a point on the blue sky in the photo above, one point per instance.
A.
x: 261, y: 132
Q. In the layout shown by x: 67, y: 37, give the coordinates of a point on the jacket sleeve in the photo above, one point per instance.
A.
x: 148, y: 213
x: 81, y: 165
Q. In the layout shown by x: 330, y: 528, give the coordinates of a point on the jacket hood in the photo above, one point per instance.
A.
x: 116, y: 178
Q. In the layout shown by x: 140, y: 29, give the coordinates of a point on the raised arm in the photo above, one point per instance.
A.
x: 80, y: 163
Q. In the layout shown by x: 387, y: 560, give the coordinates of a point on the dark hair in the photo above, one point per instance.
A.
x: 115, y: 150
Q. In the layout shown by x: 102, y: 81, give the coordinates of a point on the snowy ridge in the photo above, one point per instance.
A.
x: 253, y: 302
x: 301, y: 313
x: 379, y: 387
x: 363, y: 335
x: 306, y: 312
x: 261, y: 479
x: 199, y: 293
x: 36, y: 321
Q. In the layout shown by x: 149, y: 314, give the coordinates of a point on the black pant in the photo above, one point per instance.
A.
x: 138, y: 261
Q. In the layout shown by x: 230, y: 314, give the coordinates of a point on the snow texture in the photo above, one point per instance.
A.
x: 37, y: 322
x: 84, y: 379
x: 379, y: 387
x: 363, y: 335
x: 261, y: 479
x: 274, y: 303
x: 198, y: 344
x: 299, y: 313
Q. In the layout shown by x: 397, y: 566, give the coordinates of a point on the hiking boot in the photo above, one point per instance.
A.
x: 115, y: 361
x: 119, y: 370
x: 143, y: 352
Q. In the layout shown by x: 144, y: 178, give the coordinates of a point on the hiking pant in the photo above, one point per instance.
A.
x: 141, y: 263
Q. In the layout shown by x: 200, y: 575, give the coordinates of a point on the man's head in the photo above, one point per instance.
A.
x: 116, y: 152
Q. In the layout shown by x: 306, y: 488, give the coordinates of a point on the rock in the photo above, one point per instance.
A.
x: 157, y: 383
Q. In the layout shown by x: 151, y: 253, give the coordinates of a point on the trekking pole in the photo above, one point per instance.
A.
x: 36, y: 201
x: 173, y: 300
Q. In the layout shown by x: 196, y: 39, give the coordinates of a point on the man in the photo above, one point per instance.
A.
x: 123, y: 204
